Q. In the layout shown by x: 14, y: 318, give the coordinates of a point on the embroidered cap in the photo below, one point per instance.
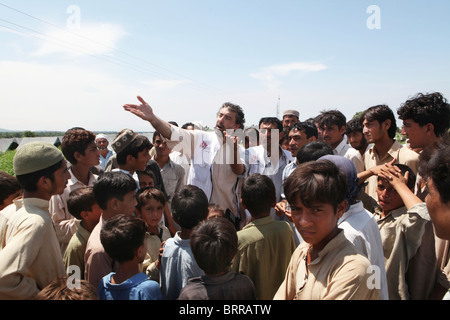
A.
x: 123, y: 140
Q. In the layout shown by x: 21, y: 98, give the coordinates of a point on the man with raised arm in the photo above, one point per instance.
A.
x: 217, y: 159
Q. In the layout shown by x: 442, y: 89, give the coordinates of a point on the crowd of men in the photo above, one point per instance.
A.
x: 385, y: 202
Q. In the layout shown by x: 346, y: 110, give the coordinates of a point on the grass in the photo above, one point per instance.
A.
x: 6, y: 161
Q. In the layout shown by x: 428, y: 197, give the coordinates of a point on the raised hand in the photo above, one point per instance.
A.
x: 143, y: 110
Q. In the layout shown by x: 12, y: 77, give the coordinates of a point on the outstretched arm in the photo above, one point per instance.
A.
x: 145, y: 112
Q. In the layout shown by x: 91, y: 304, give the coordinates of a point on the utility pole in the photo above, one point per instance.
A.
x: 278, y: 107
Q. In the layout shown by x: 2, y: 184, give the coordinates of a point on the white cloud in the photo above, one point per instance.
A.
x: 271, y: 75
x: 58, y: 97
x: 88, y: 39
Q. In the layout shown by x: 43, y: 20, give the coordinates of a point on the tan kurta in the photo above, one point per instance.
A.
x: 97, y: 262
x: 65, y: 224
x: 339, y: 273
x: 74, y: 255
x: 401, y: 233
x: 30, y: 256
x: 397, y: 151
x: 265, y: 247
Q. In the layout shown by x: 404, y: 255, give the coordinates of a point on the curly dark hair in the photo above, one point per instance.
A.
x: 76, y: 139
x: 427, y: 108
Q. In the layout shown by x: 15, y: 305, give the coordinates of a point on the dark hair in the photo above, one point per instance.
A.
x: 318, y: 181
x: 438, y: 169
x: 354, y: 125
x: 59, y: 290
x: 79, y: 200
x: 411, y: 177
x: 137, y: 145
x: 258, y: 194
x: 76, y: 140
x: 240, y: 117
x: 313, y: 150
x: 308, y: 128
x: 144, y: 195
x: 187, y: 124
x: 156, y: 134
x: 274, y: 120
x: 212, y: 207
x: 113, y: 185
x: 8, y: 185
x: 214, y: 243
x: 427, y: 108
x: 381, y: 113
x: 331, y: 117
x: 122, y: 235
x: 189, y: 206
x: 29, y: 181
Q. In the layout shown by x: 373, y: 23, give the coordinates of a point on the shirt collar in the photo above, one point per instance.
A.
x: 330, y: 246
x: 341, y: 145
x: 259, y: 222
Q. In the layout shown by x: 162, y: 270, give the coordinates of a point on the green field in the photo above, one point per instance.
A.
x: 6, y: 161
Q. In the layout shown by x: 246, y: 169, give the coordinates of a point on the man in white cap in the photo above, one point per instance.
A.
x: 30, y: 255
x: 290, y: 117
x: 102, y: 144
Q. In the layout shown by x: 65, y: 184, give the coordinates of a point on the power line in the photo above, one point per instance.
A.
x: 117, y: 61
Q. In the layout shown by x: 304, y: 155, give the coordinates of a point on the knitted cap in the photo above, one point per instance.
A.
x: 123, y: 140
x: 291, y: 113
x: 35, y: 156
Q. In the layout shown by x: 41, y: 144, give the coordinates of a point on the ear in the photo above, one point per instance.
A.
x: 84, y: 214
x: 77, y: 156
x: 130, y: 159
x: 342, y: 130
x: 140, y: 252
x: 341, y: 208
x: 429, y: 128
x: 387, y: 124
x: 44, y: 184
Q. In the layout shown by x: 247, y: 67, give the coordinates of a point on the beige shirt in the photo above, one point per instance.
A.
x: 65, y: 224
x: 397, y: 151
x: 30, y: 257
x: 97, y: 262
x: 401, y: 233
x: 264, y: 250
x: 340, y: 272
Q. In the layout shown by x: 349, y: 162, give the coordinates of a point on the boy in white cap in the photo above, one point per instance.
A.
x: 30, y: 256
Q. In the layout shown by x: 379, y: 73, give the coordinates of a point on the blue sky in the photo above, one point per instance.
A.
x: 75, y: 63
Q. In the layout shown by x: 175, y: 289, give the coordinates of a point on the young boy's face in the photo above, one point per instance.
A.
x: 317, y: 225
x: 388, y: 198
x: 91, y: 155
x: 60, y: 178
x: 140, y: 162
x: 415, y: 134
x: 152, y: 212
x: 145, y: 181
x: 94, y: 214
x: 439, y: 211
x: 128, y: 203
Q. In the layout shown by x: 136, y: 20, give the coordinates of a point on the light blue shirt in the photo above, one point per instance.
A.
x: 138, y: 287
x: 104, y: 161
x: 177, y: 266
